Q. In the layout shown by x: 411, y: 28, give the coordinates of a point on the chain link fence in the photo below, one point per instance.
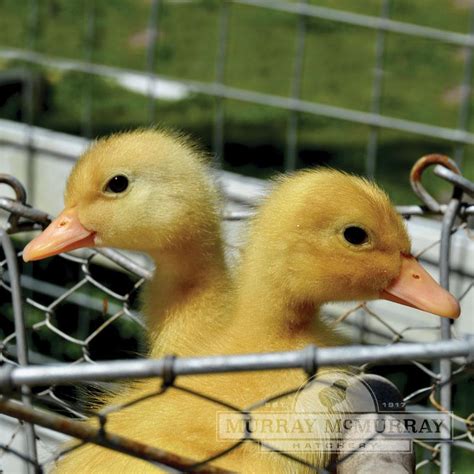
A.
x: 34, y: 394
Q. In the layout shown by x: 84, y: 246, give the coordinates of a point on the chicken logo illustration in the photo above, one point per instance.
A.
x: 334, y: 395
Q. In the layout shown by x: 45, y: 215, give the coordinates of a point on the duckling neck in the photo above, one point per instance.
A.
x: 183, y: 273
x: 286, y: 323
x: 186, y: 277
x: 275, y: 317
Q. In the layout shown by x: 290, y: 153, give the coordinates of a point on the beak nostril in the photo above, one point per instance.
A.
x: 425, y: 294
x: 62, y: 223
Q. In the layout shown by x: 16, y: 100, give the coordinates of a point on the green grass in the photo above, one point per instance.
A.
x: 421, y: 78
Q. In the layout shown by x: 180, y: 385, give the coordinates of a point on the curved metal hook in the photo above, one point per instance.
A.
x: 15, y: 184
x: 455, y: 179
x: 415, y: 178
x: 20, y: 195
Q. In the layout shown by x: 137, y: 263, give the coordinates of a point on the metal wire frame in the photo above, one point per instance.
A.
x: 311, y: 357
x: 90, y: 32
x: 377, y: 89
x: 259, y: 98
x: 449, y: 351
x: 151, y: 56
x: 20, y: 333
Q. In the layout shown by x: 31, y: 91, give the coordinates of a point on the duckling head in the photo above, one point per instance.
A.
x: 325, y: 236
x: 145, y: 190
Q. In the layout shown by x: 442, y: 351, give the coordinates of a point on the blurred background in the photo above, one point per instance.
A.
x: 266, y: 86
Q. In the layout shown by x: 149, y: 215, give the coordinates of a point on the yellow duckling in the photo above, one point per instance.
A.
x: 321, y: 236
x: 150, y: 191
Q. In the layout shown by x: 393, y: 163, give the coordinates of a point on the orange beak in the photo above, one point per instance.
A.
x: 64, y: 234
x: 414, y: 287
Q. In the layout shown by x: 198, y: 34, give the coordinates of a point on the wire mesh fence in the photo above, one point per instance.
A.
x: 34, y: 394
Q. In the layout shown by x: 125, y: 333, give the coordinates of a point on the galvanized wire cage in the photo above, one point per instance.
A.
x: 47, y: 406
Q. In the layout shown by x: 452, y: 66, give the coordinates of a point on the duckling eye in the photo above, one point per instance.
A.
x: 117, y: 184
x: 355, y: 235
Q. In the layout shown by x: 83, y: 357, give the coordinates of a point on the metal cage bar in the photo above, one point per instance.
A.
x: 291, y: 154
x: 377, y: 89
x: 153, y: 26
x: 258, y: 98
x: 219, y: 117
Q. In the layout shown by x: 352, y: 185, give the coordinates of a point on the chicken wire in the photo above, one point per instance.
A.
x: 46, y: 407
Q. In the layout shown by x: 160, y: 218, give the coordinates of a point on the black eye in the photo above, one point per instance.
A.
x: 117, y: 184
x: 355, y: 235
